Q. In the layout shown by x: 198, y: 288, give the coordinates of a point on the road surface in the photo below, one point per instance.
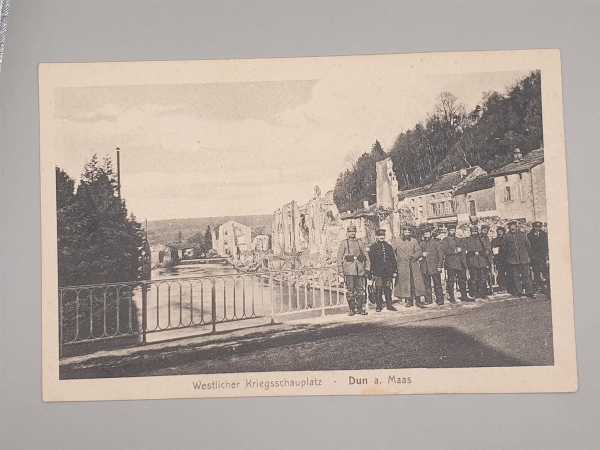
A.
x: 507, y: 332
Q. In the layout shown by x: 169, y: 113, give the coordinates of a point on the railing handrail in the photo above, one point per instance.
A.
x: 193, y: 277
x: 136, y: 309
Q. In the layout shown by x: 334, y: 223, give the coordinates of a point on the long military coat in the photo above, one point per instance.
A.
x: 407, y: 254
x: 383, y: 259
x: 515, y: 248
x: 478, y: 252
x: 356, y: 251
x: 432, y: 256
x: 538, y: 243
x: 453, y: 249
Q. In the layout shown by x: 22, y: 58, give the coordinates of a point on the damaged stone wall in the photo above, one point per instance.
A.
x: 310, y: 232
x: 392, y: 214
x: 386, y: 185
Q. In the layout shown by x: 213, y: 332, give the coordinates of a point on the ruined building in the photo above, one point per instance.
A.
x: 309, y: 231
x: 388, y: 199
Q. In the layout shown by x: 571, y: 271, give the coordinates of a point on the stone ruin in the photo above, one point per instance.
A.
x: 308, y: 234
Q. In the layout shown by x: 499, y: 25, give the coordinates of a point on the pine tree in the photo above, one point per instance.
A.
x: 359, y: 184
x: 97, y: 241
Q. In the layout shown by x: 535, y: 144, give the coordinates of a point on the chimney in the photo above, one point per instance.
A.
x: 517, y: 155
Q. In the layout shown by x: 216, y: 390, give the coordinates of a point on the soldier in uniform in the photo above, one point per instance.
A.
x: 487, y: 243
x: 456, y: 265
x: 431, y: 267
x: 498, y: 259
x: 353, y: 265
x: 409, y: 282
x: 478, y: 262
x: 515, y: 249
x: 538, y: 241
x: 383, y: 267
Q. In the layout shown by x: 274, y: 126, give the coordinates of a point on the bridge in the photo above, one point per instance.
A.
x: 116, y: 315
x: 215, y: 260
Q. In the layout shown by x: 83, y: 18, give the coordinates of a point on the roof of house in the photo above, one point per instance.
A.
x: 446, y: 182
x: 476, y: 184
x: 234, y: 223
x: 180, y: 245
x: 362, y: 212
x: 415, y: 192
x: 530, y: 160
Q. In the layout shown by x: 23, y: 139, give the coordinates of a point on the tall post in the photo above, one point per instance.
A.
x: 213, y: 304
x: 118, y: 172
x: 323, y: 291
x: 144, y: 312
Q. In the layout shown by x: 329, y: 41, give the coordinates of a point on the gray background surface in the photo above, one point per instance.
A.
x: 71, y: 30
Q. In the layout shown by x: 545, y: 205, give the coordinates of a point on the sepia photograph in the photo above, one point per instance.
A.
x: 379, y: 224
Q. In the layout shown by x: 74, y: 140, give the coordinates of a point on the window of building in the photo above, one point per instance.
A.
x: 521, y: 192
x: 449, y: 207
x: 507, y: 194
x: 441, y: 208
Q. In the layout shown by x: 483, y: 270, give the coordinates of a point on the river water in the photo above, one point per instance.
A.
x: 182, y: 296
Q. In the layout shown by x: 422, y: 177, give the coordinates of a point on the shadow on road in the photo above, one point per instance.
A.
x: 348, y: 346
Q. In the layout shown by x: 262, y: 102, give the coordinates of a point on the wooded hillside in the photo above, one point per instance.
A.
x: 451, y: 138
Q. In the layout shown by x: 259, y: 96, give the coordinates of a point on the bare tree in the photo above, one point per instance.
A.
x: 449, y: 110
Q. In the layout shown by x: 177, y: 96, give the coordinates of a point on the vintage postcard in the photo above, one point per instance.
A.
x: 389, y: 224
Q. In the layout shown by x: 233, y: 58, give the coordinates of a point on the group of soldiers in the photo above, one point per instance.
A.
x: 517, y: 261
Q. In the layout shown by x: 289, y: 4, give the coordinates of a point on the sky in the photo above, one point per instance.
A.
x: 237, y: 148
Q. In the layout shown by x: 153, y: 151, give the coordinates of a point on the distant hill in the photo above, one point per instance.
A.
x: 163, y: 231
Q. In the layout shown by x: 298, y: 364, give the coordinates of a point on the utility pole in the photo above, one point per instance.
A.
x: 118, y: 172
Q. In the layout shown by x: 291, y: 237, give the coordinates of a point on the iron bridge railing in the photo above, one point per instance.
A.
x: 114, y: 315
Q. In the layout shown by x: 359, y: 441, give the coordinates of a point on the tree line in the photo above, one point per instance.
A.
x: 451, y: 138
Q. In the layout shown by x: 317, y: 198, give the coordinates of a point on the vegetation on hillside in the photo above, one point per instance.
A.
x: 451, y: 138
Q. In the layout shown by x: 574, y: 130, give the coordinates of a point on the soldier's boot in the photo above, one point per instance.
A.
x: 451, y: 297
x: 351, y: 306
x: 378, y: 300
x: 408, y: 302
x: 359, y: 308
x: 388, y: 304
x: 439, y: 298
x: 464, y: 297
x: 427, y: 299
x: 362, y: 306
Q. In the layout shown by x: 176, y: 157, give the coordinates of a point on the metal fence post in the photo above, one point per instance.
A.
x: 272, y: 298
x: 144, y: 312
x: 323, y: 293
x: 213, y: 305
